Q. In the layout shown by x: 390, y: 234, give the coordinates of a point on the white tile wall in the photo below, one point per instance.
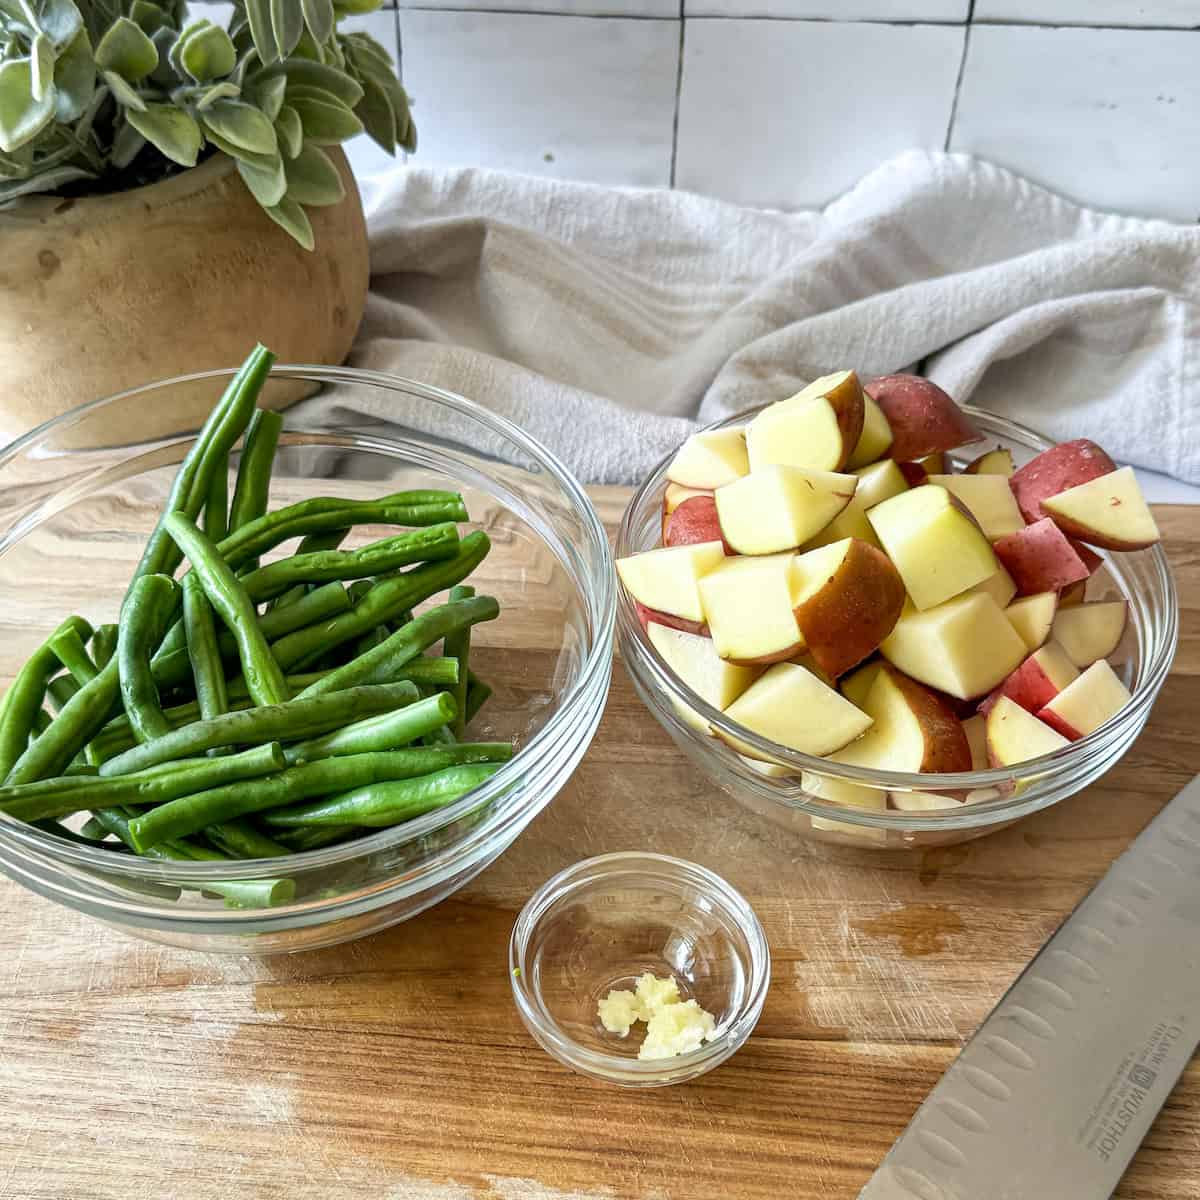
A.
x: 1108, y: 117
x: 575, y: 97
x: 577, y: 8
x: 833, y: 10
x: 790, y: 114
x: 1136, y: 13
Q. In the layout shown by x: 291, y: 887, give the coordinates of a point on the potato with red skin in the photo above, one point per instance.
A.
x: 1037, y: 680
x: 694, y: 521
x: 673, y: 497
x: 914, y: 474
x: 1040, y: 558
x: 1091, y: 559
x: 923, y: 418
x: 647, y: 616
x: 1055, y: 470
x: 849, y: 603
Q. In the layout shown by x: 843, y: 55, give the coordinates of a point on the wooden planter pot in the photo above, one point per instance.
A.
x: 105, y: 293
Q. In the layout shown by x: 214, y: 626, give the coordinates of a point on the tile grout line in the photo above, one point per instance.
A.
x: 962, y: 70
x: 678, y: 93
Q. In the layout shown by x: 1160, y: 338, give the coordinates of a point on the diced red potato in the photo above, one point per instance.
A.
x: 1091, y: 559
x: 914, y: 474
x: 1109, y: 511
x: 1037, y: 680
x: 994, y: 462
x: 1087, y: 702
x: 976, y: 731
x: 1089, y: 632
x: 694, y: 521
x: 647, y: 616
x: 1055, y: 470
x: 933, y: 464
x: 673, y: 497
x: 922, y: 417
x: 1073, y: 594
x: 1040, y: 558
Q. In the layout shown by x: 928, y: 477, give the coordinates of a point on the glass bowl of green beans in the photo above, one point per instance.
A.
x: 316, y: 699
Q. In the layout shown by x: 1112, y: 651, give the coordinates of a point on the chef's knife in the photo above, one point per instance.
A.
x: 1058, y: 1087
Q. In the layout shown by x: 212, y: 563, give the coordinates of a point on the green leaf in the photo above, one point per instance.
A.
x: 243, y: 125
x: 408, y: 139
x: 148, y: 17
x: 21, y: 13
x: 355, y: 8
x: 60, y: 21
x: 287, y: 22
x: 289, y: 131
x: 126, y: 51
x: 47, y: 181
x: 309, y: 49
x: 267, y: 184
x: 318, y: 16
x: 191, y: 28
x: 22, y: 116
x: 208, y: 54
x: 268, y: 95
x: 218, y: 91
x: 312, y: 178
x: 166, y: 74
x: 74, y: 79
x: 290, y: 216
x: 378, y: 116
x: 172, y: 130
x: 326, y: 124
x: 123, y: 93
x: 41, y: 60
x: 237, y: 152
x: 302, y: 73
x: 258, y: 13
x: 127, y: 145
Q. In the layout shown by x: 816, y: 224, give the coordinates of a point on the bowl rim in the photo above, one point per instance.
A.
x: 614, y: 1067
x: 633, y: 637
x: 509, y: 776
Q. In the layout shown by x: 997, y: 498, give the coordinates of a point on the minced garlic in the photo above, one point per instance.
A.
x: 673, y: 1026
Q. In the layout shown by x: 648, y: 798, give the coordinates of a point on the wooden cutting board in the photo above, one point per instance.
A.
x: 396, y: 1068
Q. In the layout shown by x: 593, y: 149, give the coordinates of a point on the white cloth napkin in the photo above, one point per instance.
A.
x: 609, y: 322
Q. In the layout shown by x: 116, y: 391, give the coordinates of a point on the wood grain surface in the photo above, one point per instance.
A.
x: 396, y: 1068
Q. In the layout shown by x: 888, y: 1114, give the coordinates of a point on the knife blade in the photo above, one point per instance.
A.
x: 1059, y: 1085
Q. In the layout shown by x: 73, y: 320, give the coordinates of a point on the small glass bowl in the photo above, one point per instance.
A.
x: 602, y: 923
x: 874, y: 809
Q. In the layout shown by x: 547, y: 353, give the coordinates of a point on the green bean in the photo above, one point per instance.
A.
x: 190, y: 814
x: 212, y: 696
x: 216, y: 504
x: 378, y: 665
x: 58, y: 691
x: 390, y: 596
x: 209, y: 454
x: 73, y: 655
x: 388, y: 802
x: 458, y: 645
x: 253, y: 488
x: 70, y: 794
x: 312, y: 544
x: 443, y: 735
x: 435, y: 544
x: 104, y: 645
x: 313, y: 837
x: 238, y: 893
x: 388, y: 731
x: 264, y: 677
x: 325, y: 513
x: 175, y: 668
x: 148, y: 607
x: 478, y: 694
x: 239, y: 839
x: 41, y: 722
x: 93, y: 830
x: 294, y: 720
x: 82, y: 716
x: 69, y: 835
x: 23, y: 700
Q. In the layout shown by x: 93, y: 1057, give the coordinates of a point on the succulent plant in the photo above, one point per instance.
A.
x: 99, y: 96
